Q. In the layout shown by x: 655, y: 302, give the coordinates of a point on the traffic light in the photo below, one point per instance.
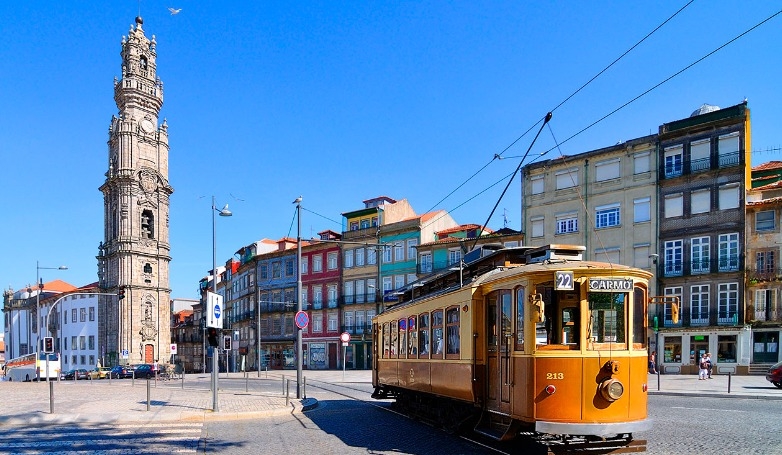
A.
x: 227, y: 343
x: 48, y: 345
x: 121, y: 293
x: 211, y: 335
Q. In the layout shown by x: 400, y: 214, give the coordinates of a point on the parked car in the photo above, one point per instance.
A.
x: 143, y: 370
x: 79, y: 373
x: 120, y: 371
x: 100, y: 373
x: 66, y: 373
x: 774, y: 375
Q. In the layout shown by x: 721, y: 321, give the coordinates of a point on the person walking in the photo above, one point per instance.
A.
x: 703, y: 368
x: 653, y: 363
x: 708, y: 364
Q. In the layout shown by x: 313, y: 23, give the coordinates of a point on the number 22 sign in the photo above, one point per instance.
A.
x: 563, y: 281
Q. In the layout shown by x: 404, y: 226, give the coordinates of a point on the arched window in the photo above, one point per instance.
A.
x: 147, y: 225
x: 143, y: 62
x: 147, y: 268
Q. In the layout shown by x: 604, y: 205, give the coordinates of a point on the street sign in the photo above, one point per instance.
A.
x: 214, y: 310
x: 173, y: 348
x: 302, y: 319
x: 124, y: 353
x: 345, y: 337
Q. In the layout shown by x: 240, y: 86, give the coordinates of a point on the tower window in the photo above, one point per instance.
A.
x: 147, y: 268
x: 143, y: 62
x: 147, y: 225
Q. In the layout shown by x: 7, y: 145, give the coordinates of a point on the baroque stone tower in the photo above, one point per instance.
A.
x: 134, y: 257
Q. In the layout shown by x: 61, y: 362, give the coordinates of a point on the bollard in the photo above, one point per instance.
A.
x: 658, y: 381
x: 133, y: 378
x: 183, y: 379
x: 288, y: 393
x: 304, y: 387
x: 283, y: 384
x: 729, y: 376
x: 148, y: 392
x: 245, y: 382
x: 267, y: 371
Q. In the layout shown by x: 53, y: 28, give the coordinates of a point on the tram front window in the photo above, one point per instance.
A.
x: 607, y: 313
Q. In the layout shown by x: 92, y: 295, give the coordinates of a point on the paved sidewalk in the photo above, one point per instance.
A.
x: 126, y: 401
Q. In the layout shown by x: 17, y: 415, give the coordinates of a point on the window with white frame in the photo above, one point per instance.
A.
x: 728, y: 149
x: 399, y: 251
x: 349, y: 321
x: 538, y: 184
x: 699, y: 304
x: 332, y: 260
x: 765, y: 220
x: 371, y: 290
x: 729, y: 196
x: 700, y: 201
x: 700, y: 152
x: 412, y: 249
x: 371, y: 256
x: 454, y: 256
x: 360, y: 322
x: 670, y: 292
x: 360, y: 257
x: 642, y: 162
x: 425, y: 261
x: 700, y: 252
x: 673, y: 161
x: 388, y: 284
x: 567, y: 223
x: 317, y: 297
x: 607, y: 216
x: 387, y: 254
x: 304, y: 266
x: 332, y: 290
x: 317, y: 263
x: 567, y: 178
x: 607, y: 170
x: 360, y: 291
x: 536, y: 226
x: 765, y: 303
x: 642, y: 210
x: 673, y: 257
x: 347, y: 259
x: 728, y: 303
x: 348, y: 291
x: 399, y: 281
x: 317, y: 323
x: 729, y: 252
x: 333, y: 322
x: 674, y: 205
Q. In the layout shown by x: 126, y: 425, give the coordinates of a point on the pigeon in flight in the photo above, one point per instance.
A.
x: 175, y: 11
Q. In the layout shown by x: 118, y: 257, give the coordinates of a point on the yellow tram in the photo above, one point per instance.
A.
x: 532, y: 342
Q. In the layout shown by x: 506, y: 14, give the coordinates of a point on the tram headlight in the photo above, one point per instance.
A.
x: 611, y: 389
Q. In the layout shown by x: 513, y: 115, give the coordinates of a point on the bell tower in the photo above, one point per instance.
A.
x: 134, y: 256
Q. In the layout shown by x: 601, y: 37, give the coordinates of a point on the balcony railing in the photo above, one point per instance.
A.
x: 681, y: 268
x: 766, y: 274
x: 358, y: 329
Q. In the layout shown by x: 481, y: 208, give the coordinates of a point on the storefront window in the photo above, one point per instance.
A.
x: 726, y: 348
x: 672, y: 350
x: 317, y: 353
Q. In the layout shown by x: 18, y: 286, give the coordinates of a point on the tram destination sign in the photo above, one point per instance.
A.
x: 610, y: 284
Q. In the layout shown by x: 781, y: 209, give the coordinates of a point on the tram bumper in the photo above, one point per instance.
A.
x: 605, y: 430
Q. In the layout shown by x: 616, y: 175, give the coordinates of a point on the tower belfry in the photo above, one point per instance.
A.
x: 135, y: 253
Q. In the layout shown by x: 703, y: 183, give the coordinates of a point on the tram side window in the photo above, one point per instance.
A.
x: 520, y: 319
x: 403, y: 338
x: 437, y: 334
x: 412, y: 338
x: 386, y: 340
x: 639, y: 318
x: 607, y: 323
x: 394, y: 338
x: 452, y: 329
x: 423, y: 335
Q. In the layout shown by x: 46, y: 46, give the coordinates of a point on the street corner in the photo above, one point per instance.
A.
x: 308, y: 404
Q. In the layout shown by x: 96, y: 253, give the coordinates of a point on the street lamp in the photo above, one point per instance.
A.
x: 222, y: 212
x: 39, y: 282
x: 299, y: 344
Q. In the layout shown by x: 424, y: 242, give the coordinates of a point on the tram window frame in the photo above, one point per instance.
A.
x: 438, y: 342
x: 386, y: 340
x: 412, y: 337
x: 520, y: 302
x: 615, y: 311
x: 452, y: 333
x: 394, y: 344
x: 402, y: 351
x: 639, y: 317
x: 424, y: 338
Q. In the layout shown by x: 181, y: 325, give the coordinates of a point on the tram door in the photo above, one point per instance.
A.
x: 499, y: 332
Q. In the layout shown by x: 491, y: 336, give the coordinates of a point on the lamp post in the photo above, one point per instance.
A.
x: 299, y: 344
x: 222, y: 212
x: 39, y: 283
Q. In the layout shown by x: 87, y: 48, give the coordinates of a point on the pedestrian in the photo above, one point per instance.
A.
x: 708, y: 364
x: 703, y: 368
x: 155, y: 368
x: 653, y: 363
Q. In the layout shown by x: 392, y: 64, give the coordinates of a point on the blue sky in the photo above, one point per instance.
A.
x: 338, y: 103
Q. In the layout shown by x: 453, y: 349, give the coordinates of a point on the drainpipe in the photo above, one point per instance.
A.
x: 586, y: 208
